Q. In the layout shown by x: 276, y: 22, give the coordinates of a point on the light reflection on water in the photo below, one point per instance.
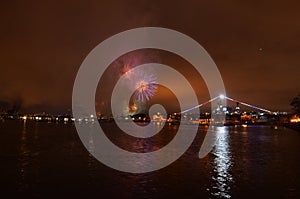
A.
x: 222, y: 164
x: 252, y: 162
x: 28, y: 159
x: 23, y: 159
x: 92, y: 162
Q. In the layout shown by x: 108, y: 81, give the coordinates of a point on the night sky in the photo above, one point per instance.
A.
x: 255, y: 44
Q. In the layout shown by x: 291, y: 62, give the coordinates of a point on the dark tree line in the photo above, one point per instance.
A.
x: 295, y: 103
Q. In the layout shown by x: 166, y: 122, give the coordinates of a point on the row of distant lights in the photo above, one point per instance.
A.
x: 92, y: 118
x: 39, y: 118
x: 73, y: 119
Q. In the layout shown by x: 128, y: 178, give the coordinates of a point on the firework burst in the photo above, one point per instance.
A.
x: 145, y: 88
x: 143, y: 81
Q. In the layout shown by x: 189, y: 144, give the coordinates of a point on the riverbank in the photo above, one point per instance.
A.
x: 294, y: 126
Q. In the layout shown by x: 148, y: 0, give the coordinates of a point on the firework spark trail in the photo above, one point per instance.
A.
x: 145, y: 90
x: 144, y: 83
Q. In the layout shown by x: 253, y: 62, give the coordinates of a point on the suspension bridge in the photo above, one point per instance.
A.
x: 223, y: 97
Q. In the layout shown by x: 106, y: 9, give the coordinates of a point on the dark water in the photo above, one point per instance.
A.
x: 47, y: 160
